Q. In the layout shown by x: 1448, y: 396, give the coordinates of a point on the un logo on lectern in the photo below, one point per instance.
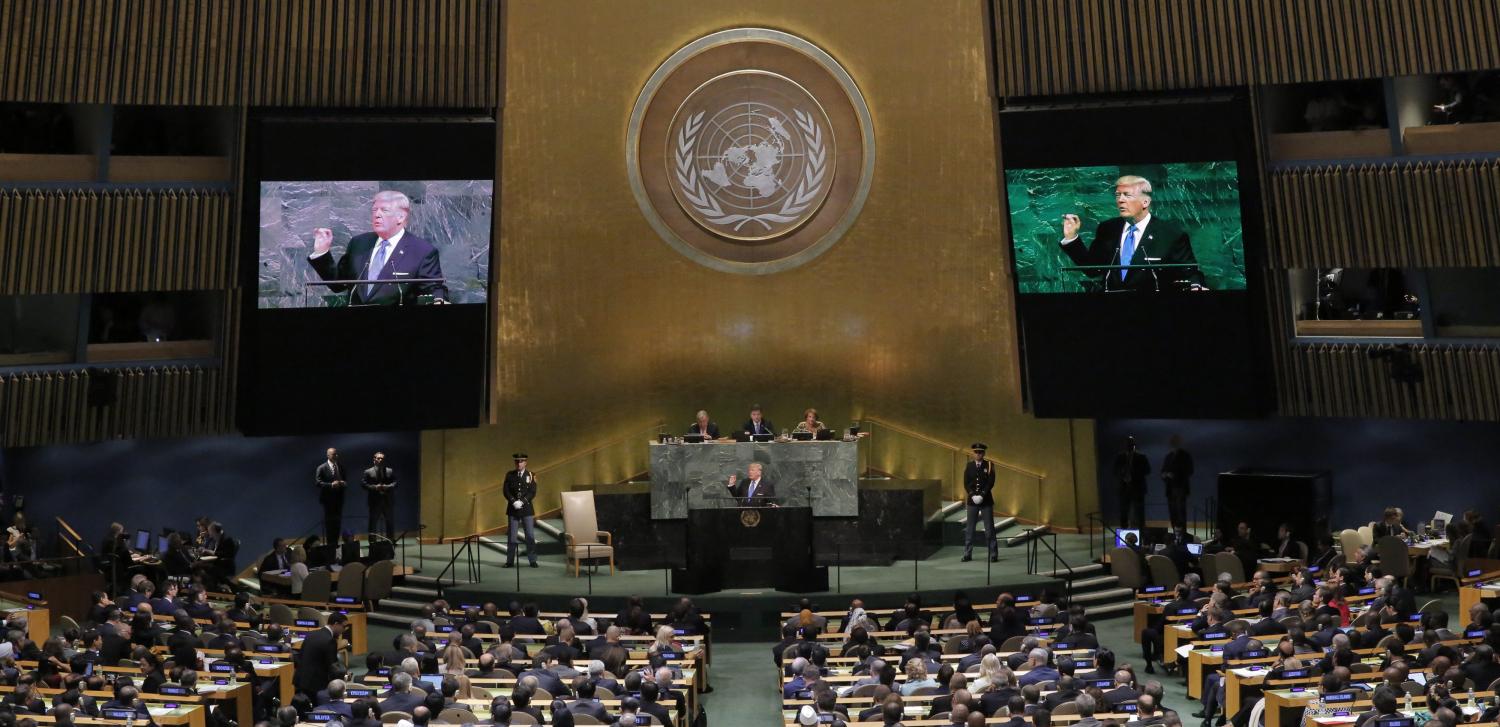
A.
x: 750, y: 518
x: 750, y: 150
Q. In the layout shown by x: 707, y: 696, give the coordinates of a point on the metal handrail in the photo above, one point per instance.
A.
x: 468, y: 549
x: 1048, y: 539
x: 960, y: 450
x: 539, y: 471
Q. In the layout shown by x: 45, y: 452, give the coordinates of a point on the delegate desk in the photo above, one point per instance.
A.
x: 38, y: 617
x: 686, y: 477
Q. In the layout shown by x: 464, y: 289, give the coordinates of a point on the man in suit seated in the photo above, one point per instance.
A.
x: 336, y: 703
x: 401, y: 698
x: 388, y: 253
x: 757, y: 423
x: 703, y: 426
x: 1037, y: 669
x: 1134, y: 238
x: 277, y: 560
x: 1067, y: 691
x: 500, y: 711
x: 1146, y: 714
x: 650, y: 694
x: 128, y: 697
x: 1124, y: 690
x: 586, y: 703
x: 546, y: 676
x: 754, y: 491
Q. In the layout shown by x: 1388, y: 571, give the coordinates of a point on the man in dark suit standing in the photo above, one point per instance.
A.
x: 331, y: 484
x: 754, y: 491
x: 1133, y: 239
x: 520, y: 490
x: 979, y: 502
x: 380, y: 481
x: 758, y: 423
x: 1131, y: 470
x: 703, y: 426
x: 319, y: 656
x: 1176, y: 471
x: 388, y: 253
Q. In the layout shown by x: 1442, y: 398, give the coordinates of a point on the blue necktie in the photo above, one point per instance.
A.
x: 1127, y: 250
x: 376, y: 264
x: 751, y: 493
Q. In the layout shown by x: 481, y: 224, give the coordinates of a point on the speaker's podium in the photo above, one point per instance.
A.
x: 738, y: 547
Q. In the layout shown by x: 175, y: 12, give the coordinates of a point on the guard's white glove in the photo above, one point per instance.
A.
x: 977, y: 499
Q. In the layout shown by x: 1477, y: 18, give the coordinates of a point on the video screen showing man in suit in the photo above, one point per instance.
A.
x: 338, y: 244
x: 1148, y: 228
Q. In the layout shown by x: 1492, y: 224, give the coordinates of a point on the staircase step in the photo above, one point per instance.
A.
x: 429, y: 583
x: 1074, y: 572
x: 392, y: 605
x: 1024, y: 536
x: 1110, y: 610
x: 400, y: 620
x: 419, y: 593
x: 1095, y: 583
x: 1111, y: 594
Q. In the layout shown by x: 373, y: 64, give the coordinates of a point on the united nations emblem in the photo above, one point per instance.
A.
x: 750, y: 151
x: 750, y: 518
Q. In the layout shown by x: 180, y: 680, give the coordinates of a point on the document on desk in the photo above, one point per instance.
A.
x: 1249, y: 672
x: 1184, y: 650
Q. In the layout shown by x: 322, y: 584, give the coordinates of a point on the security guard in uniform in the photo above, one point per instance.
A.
x: 979, y: 502
x: 520, y: 490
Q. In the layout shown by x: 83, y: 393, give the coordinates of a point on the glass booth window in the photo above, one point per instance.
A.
x: 38, y: 329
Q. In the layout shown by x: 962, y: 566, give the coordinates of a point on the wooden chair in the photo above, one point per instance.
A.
x: 351, y: 581
x: 308, y: 613
x: 1350, y: 541
x: 379, y: 578
x: 1394, y: 558
x: 454, y: 715
x: 1163, y: 570
x: 282, y: 614
x: 522, y: 718
x: 318, y: 586
x: 1451, y: 571
x: 581, y: 534
x: 1366, y: 534
x: 1125, y: 564
x: 1066, y: 708
x: 581, y: 718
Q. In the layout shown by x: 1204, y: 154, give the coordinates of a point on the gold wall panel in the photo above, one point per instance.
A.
x: 603, y: 329
x: 1049, y: 47
x: 262, y: 52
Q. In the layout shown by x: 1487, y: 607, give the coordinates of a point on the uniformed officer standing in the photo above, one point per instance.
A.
x: 979, y: 502
x: 520, y: 490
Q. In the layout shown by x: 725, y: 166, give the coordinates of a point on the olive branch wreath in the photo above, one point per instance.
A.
x: 705, y: 204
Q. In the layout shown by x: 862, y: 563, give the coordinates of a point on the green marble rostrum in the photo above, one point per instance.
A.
x: 1203, y: 196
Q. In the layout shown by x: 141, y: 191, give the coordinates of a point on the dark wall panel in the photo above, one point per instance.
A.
x: 259, y: 488
x: 1420, y: 466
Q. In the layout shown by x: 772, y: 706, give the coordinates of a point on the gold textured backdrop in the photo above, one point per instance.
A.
x: 603, y: 329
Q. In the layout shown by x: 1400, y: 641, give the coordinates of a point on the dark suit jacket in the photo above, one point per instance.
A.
x: 1137, y: 467
x: 325, y: 476
x: 1118, y: 695
x: 1162, y: 239
x: 316, y: 660
x: 764, y: 490
x: 413, y: 257
x: 380, y: 475
x: 1179, y: 464
x: 520, y: 487
x: 401, y: 702
x: 272, y: 563
x: 592, y: 708
x: 713, y: 430
x: 662, y: 714
x: 979, y: 479
x: 766, y: 427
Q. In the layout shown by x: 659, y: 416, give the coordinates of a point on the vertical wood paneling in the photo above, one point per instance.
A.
x: 1193, y: 44
x: 160, y: 401
x: 88, y: 241
x: 258, y: 52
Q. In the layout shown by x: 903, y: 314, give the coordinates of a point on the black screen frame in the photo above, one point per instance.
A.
x: 380, y: 368
x: 1179, y: 354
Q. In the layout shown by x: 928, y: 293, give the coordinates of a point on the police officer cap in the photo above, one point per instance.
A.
x: 979, y: 447
x: 519, y: 456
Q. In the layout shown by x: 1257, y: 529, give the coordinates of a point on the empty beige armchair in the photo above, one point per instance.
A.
x: 581, y: 531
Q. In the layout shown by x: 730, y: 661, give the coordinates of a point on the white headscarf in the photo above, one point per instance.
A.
x: 856, y: 618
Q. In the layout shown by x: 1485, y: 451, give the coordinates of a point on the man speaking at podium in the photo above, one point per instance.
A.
x: 1134, y: 238
x: 754, y: 491
x: 387, y: 254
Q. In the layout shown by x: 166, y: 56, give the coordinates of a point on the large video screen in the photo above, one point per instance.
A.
x: 1134, y: 231
x: 1173, y: 226
x: 367, y: 257
x: 415, y: 242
